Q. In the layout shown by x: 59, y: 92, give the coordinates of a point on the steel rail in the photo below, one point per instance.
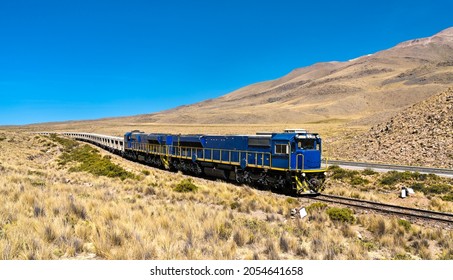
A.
x: 388, y: 208
x: 393, y: 167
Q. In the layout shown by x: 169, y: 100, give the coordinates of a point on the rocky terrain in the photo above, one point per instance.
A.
x: 420, y: 135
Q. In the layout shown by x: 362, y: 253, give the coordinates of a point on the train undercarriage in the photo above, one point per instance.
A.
x: 283, y: 181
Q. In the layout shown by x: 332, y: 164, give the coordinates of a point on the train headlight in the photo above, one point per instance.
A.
x: 325, y: 173
x: 303, y: 174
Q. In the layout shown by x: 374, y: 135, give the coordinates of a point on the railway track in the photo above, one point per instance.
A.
x: 387, y: 167
x: 413, y: 213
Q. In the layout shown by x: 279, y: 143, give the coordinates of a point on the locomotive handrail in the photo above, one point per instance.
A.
x: 297, y: 161
x: 252, y: 158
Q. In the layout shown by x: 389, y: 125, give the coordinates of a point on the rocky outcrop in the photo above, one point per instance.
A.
x: 420, y: 135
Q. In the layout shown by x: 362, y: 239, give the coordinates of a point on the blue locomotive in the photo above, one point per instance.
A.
x: 288, y: 161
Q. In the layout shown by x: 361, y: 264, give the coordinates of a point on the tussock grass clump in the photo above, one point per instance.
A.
x: 357, y: 180
x: 240, y: 238
x: 394, y: 177
x: 341, y: 214
x: 369, y: 172
x: 91, y: 161
x: 340, y: 173
x: 186, y: 185
x: 352, y: 176
x: 225, y: 230
x: 438, y: 189
x: 68, y: 144
x: 435, y: 189
x: 316, y: 206
x: 405, y: 224
x: 88, y: 159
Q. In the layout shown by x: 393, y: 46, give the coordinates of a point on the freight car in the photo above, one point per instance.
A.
x: 289, y: 161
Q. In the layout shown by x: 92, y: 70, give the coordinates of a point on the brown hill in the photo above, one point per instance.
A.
x: 368, y: 89
x: 420, y: 135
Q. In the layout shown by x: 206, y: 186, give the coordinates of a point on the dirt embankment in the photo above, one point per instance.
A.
x: 420, y: 135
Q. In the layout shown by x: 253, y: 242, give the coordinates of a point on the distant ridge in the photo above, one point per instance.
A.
x: 366, y: 90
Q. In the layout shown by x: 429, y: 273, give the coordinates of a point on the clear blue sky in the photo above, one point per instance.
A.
x: 70, y: 60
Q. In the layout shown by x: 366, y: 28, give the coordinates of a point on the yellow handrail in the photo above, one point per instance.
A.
x: 258, y: 158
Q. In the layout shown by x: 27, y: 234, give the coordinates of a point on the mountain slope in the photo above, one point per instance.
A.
x: 419, y: 135
x: 368, y: 89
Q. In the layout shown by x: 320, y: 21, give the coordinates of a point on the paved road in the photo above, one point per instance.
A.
x: 388, y: 167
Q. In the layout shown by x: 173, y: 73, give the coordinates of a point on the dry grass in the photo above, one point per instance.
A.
x: 47, y: 212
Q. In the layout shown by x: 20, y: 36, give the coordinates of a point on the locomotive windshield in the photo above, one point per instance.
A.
x: 307, y: 144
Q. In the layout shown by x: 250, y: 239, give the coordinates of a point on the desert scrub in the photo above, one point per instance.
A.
x: 341, y: 214
x: 353, y: 176
x: 369, y: 172
x: 145, y: 172
x: 393, y: 177
x: 435, y: 189
x: 405, y: 224
x: 357, y: 180
x: 340, y: 173
x: 67, y: 144
x: 316, y: 206
x: 185, y: 185
x: 89, y: 160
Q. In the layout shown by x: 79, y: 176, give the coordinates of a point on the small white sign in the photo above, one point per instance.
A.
x: 302, y: 212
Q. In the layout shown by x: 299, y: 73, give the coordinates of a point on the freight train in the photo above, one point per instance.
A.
x: 290, y: 161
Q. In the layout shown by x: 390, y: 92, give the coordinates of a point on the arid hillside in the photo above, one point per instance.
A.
x: 367, y: 89
x: 420, y: 135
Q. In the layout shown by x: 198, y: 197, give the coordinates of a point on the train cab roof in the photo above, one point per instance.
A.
x: 283, y: 136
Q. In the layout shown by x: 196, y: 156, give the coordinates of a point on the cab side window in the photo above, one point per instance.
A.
x: 281, y: 148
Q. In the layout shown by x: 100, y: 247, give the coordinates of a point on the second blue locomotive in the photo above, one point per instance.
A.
x: 288, y: 161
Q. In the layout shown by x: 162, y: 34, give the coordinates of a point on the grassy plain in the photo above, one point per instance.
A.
x: 54, y: 211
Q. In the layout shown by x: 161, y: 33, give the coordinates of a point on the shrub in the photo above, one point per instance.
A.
x: 146, y: 172
x: 316, y: 207
x: 433, y: 189
x: 340, y: 173
x: 68, y: 144
x: 149, y: 191
x: 225, y: 230
x: 284, y: 243
x: 390, y: 178
x: 235, y: 205
x: 359, y: 181
x: 91, y: 161
x: 291, y: 200
x: 418, y: 187
x: 239, y: 238
x: 402, y: 256
x: 369, y: 171
x: 448, y: 197
x: 393, y: 177
x: 186, y: 185
x: 439, y: 189
x: 340, y: 214
x: 405, y: 224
